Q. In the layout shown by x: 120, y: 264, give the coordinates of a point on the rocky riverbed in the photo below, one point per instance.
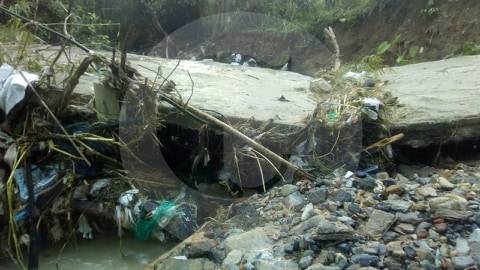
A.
x: 424, y: 220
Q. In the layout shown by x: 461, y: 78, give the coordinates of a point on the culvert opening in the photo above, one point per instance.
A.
x: 439, y: 155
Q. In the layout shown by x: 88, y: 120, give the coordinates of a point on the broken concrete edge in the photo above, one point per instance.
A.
x: 437, y: 133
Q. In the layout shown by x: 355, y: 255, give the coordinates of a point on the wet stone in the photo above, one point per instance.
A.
x: 410, y: 218
x: 427, y: 191
x: 394, y: 189
x: 365, y: 259
x: 288, y: 189
x: 308, y: 211
x: 410, y: 252
x: 427, y: 265
x: 378, y: 223
x: 318, y: 196
x: 233, y: 258
x: 343, y: 196
x: 367, y: 183
x: 382, y: 176
x: 462, y: 262
x: 449, y: 201
x: 404, y: 228
x: 276, y: 264
x: 474, y: 241
x: 395, y: 249
x: 319, y: 266
x: 445, y: 184
x: 372, y: 248
x: 305, y: 262
x: 248, y: 266
x: 294, y: 201
x: 461, y: 246
x: 395, y: 205
x: 327, y: 230
x: 392, y: 263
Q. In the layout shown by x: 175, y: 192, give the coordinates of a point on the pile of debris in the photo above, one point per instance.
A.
x: 62, y: 175
x: 61, y: 163
x: 346, y: 221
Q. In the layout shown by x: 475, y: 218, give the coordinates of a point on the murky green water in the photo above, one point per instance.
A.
x: 101, y: 253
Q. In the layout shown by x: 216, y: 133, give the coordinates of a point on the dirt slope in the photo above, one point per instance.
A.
x: 442, y: 31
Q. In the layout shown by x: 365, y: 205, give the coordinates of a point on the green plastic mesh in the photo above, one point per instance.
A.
x: 145, y: 226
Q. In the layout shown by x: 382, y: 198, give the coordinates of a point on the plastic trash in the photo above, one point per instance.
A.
x: 235, y: 59
x: 250, y: 63
x: 124, y: 215
x: 99, y: 185
x: 372, y: 103
x: 371, y: 107
x: 288, y: 65
x: 148, y: 222
x: 127, y: 197
x: 13, y: 86
x: 184, y: 222
x: 43, y: 178
x: 348, y: 174
x: 356, y: 76
x: 368, y: 171
x: 84, y: 228
x: 370, y: 113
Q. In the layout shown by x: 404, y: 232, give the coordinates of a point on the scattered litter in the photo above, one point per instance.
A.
x: 368, y: 171
x: 372, y: 103
x: 348, y: 175
x: 13, y: 86
x: 43, y: 179
x: 149, y: 218
x: 250, y: 63
x: 99, y: 185
x: 236, y: 59
x: 356, y: 76
x: 84, y: 228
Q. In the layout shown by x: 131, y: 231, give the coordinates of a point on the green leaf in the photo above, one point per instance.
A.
x: 413, y: 51
x: 383, y: 47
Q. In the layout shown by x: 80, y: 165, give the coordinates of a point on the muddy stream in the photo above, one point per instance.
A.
x: 101, y: 253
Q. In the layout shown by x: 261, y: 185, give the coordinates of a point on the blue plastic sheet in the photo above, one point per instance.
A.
x: 43, y: 178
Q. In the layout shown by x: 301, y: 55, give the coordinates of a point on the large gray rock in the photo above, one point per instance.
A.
x: 445, y: 184
x: 449, y: 201
x: 190, y: 264
x: 255, y: 239
x: 288, y: 189
x: 276, y: 264
x: 474, y: 241
x: 395, y: 205
x: 410, y: 217
x: 461, y: 246
x: 378, y: 223
x: 307, y: 225
x: 294, y: 201
x: 319, y: 266
x: 462, y: 262
x: 305, y: 262
x: 328, y: 230
x: 233, y: 258
x: 318, y: 196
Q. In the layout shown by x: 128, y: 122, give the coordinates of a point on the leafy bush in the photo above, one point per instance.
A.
x: 470, y: 48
